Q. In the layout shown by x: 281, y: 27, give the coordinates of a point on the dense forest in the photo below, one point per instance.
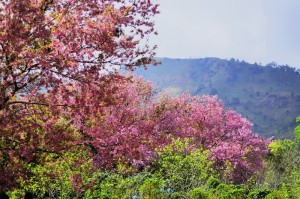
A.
x: 269, y: 96
x: 73, y: 126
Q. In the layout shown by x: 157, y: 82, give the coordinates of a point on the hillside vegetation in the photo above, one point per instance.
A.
x: 269, y: 96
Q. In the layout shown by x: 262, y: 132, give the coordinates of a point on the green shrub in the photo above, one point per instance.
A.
x: 258, y: 193
x: 212, y: 182
x: 150, y: 188
x: 177, y: 195
x: 183, y: 169
x: 198, y: 193
x: 116, y: 186
x: 227, y: 191
x: 278, y: 194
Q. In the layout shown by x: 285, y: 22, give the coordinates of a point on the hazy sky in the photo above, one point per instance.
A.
x: 252, y: 30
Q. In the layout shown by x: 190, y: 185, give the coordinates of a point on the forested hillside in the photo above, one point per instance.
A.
x: 269, y: 96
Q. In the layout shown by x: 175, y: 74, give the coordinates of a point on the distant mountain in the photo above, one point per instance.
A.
x: 268, y: 96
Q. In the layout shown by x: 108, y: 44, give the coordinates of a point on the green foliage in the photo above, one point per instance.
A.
x: 282, y: 175
x: 177, y: 195
x: 176, y: 172
x: 228, y: 191
x: 281, y: 193
x: 212, y: 182
x: 297, y: 130
x: 151, y: 188
x: 56, y: 178
x: 259, y: 193
x: 181, y: 169
x: 198, y: 193
x: 283, y: 164
x: 144, y: 185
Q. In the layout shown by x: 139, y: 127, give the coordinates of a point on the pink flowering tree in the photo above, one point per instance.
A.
x: 48, y: 46
x: 137, y: 122
x: 45, y: 44
x: 129, y: 123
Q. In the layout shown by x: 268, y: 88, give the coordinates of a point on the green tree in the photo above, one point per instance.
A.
x: 283, y: 166
x: 182, y: 168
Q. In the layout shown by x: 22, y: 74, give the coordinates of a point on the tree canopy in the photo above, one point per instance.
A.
x: 48, y: 46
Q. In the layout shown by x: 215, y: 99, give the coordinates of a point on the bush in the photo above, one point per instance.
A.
x: 212, y: 182
x: 181, y: 168
x: 258, y: 193
x: 278, y: 194
x: 117, y: 186
x: 177, y: 195
x: 198, y: 193
x: 227, y: 191
x: 151, y: 188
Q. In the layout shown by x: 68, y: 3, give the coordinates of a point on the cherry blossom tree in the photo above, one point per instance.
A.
x: 47, y: 46
x: 130, y: 130
x: 46, y: 43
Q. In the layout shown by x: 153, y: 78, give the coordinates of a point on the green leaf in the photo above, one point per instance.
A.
x: 297, y: 132
x: 297, y: 129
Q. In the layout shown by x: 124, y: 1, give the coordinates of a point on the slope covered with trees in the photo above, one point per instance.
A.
x: 269, y: 96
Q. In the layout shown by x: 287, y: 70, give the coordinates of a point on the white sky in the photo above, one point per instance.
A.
x: 253, y: 30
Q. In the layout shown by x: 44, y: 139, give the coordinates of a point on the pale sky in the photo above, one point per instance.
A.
x: 259, y: 31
